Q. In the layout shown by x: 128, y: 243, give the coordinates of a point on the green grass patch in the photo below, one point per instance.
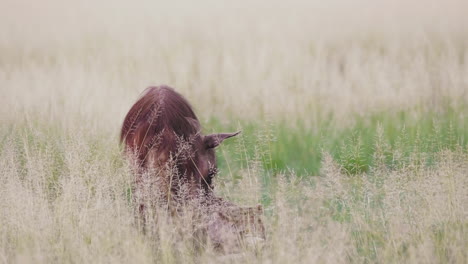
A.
x: 394, y: 139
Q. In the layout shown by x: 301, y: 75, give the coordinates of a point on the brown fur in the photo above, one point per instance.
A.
x: 163, y: 136
x: 175, y: 164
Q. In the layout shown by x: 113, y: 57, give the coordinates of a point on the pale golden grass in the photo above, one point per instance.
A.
x: 68, y: 201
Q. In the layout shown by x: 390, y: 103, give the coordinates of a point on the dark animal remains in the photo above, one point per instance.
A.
x: 174, y: 165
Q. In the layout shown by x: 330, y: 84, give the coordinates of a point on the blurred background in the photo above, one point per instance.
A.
x: 309, y: 73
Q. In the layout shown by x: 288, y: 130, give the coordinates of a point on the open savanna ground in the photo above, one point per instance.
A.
x: 354, y: 119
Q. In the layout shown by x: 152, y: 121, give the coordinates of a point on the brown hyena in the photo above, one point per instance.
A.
x: 174, y: 164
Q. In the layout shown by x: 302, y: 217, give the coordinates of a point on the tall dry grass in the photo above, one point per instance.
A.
x: 67, y: 199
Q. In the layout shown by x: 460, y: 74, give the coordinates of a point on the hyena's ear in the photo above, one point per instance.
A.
x: 213, y: 140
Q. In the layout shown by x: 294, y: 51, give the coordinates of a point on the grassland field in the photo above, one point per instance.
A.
x: 354, y: 120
